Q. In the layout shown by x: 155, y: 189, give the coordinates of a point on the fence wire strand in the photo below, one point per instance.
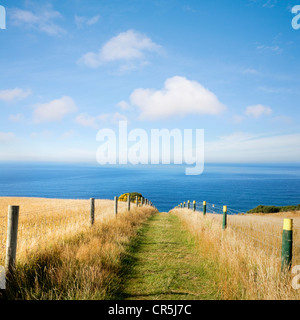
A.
x: 50, y: 222
x: 254, y: 230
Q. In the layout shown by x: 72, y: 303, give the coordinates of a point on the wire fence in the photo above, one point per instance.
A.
x: 259, y: 231
x: 45, y: 221
x: 39, y: 226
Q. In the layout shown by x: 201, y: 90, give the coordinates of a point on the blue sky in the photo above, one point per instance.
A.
x: 70, y: 68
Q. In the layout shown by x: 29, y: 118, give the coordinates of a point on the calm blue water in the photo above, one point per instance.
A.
x: 241, y: 187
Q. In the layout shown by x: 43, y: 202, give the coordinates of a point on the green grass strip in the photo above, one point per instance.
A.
x: 164, y: 264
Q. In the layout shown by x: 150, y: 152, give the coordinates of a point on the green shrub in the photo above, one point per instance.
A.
x: 271, y: 209
x: 274, y: 209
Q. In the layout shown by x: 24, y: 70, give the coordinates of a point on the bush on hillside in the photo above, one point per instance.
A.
x: 274, y: 209
x: 133, y: 196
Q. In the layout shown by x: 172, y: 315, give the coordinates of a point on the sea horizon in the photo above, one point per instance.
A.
x: 240, y: 186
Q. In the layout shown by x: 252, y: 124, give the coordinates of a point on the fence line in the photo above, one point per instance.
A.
x: 38, y: 211
x: 39, y: 226
x: 284, y: 240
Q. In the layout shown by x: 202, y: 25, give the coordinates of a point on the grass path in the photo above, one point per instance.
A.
x: 165, y: 265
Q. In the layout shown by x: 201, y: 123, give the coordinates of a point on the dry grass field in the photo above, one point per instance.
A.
x: 60, y: 255
x: 44, y: 220
x: 247, y: 254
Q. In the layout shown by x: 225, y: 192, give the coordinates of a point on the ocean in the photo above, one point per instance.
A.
x: 240, y: 187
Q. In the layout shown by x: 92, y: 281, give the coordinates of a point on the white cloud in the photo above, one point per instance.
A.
x: 54, y: 110
x: 86, y: 120
x: 16, y: 117
x: 247, y: 147
x: 278, y: 90
x: 14, y: 95
x: 123, y: 105
x: 40, y: 18
x: 116, y: 117
x: 258, y: 110
x: 275, y: 48
x: 7, y: 137
x: 179, y: 97
x: 93, y: 20
x: 127, y: 46
x: 283, y: 119
x: 96, y: 122
x: 250, y: 71
x: 45, y: 134
x: 68, y: 135
x: 81, y: 21
x: 270, y: 3
x: 238, y: 119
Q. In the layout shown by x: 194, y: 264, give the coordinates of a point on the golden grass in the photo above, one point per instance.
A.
x: 247, y: 254
x: 45, y: 220
x: 59, y: 254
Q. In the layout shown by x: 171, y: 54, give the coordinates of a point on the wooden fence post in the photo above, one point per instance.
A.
x: 204, y: 208
x: 188, y: 204
x: 12, y: 237
x: 116, y: 206
x: 137, y: 201
x: 92, y: 217
x: 194, y: 205
x: 287, y: 245
x: 224, y: 225
x: 128, y: 202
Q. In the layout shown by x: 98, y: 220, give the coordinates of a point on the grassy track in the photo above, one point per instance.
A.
x: 165, y: 265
